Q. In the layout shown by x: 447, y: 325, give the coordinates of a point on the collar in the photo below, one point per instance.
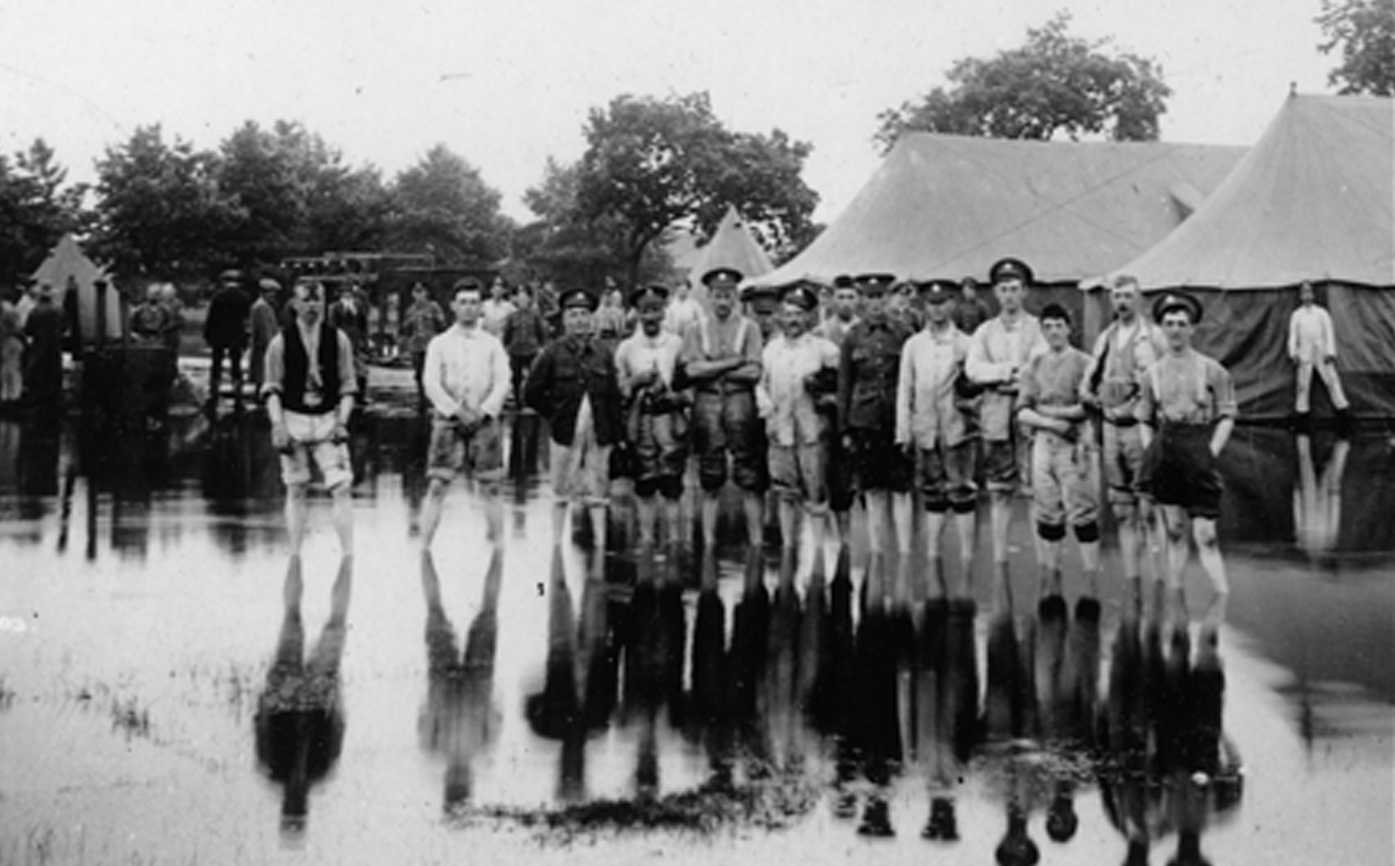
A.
x: 469, y: 332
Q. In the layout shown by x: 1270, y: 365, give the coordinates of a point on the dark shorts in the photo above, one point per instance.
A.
x: 878, y: 464
x: 479, y: 454
x: 1179, y: 469
x: 659, y: 444
x: 727, y: 424
x: 1000, y: 470
x: 947, y: 477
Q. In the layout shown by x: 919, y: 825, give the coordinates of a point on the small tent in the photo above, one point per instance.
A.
x: 1312, y: 201
x: 732, y: 246
x: 67, y: 261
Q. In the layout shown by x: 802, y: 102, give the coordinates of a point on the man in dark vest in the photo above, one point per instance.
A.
x: 309, y: 390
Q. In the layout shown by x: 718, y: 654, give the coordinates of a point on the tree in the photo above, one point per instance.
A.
x: 442, y: 206
x: 1364, y: 31
x: 1056, y: 83
x: 159, y: 209
x: 36, y: 208
x: 651, y: 164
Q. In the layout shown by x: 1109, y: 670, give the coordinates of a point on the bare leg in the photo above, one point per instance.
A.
x: 1209, y: 552
x: 295, y: 516
x: 755, y: 519
x: 1090, y: 564
x: 709, y: 520
x: 1178, y: 548
x: 1000, y: 506
x: 559, y: 521
x: 934, y: 547
x: 493, y: 512
x: 647, y: 509
x: 431, y: 510
x: 343, y: 505
x: 673, y: 521
x: 967, y: 524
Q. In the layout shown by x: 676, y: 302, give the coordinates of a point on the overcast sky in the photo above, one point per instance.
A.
x: 508, y: 84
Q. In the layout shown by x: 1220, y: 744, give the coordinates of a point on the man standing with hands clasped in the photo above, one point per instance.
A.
x: 309, y: 392
x: 1187, y: 410
x: 466, y: 379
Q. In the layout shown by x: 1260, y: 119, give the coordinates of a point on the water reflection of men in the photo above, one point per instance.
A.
x: 300, y: 712
x: 1113, y: 383
x: 466, y: 378
x: 1187, y: 409
x: 11, y: 354
x: 1317, y: 503
x: 1312, y: 344
x: 309, y: 395
x: 656, y: 417
x: 946, y: 707
x: 460, y: 719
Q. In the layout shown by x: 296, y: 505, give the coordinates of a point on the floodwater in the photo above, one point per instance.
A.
x: 175, y: 689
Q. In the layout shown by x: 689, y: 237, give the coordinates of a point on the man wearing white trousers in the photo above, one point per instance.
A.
x: 1313, y: 344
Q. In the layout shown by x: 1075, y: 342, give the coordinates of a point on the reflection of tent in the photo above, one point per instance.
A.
x: 1311, y: 201
x: 66, y: 260
x: 949, y: 206
x: 731, y: 246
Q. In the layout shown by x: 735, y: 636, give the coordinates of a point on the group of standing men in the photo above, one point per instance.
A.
x: 822, y: 414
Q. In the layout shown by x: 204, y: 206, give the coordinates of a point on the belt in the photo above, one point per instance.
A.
x: 725, y: 388
x: 1127, y: 421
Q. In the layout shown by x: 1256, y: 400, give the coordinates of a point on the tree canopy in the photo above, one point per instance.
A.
x: 1363, y: 34
x: 1055, y: 84
x: 442, y: 206
x: 652, y: 164
x: 36, y: 208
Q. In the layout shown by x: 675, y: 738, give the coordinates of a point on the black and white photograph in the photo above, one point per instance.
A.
x: 580, y: 432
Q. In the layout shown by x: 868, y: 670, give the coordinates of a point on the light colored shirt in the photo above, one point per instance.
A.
x: 926, y: 411
x: 714, y: 340
x: 835, y: 329
x: 466, y: 367
x: 998, y: 351
x: 493, y: 315
x: 682, y: 314
x: 1187, y: 389
x: 1310, y: 336
x: 1054, y: 379
x: 639, y: 353
x: 783, y: 400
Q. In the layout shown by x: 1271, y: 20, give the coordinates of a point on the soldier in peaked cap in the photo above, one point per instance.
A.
x: 656, y: 405
x: 1187, y: 410
x: 573, y: 385
x: 841, y: 313
x: 934, y: 426
x: 867, y: 367
x: 969, y: 309
x: 763, y: 305
x: 798, y: 369
x: 722, y: 360
x: 998, y: 352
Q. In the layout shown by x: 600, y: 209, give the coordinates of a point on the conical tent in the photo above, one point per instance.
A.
x: 1311, y: 201
x: 948, y: 206
x: 67, y: 260
x: 732, y: 246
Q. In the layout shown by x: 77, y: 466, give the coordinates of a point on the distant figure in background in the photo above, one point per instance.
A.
x: 174, y: 317
x: 611, y: 323
x: 1312, y: 343
x: 970, y: 311
x: 149, y: 319
x: 683, y: 312
x: 44, y: 330
x: 525, y: 333
x: 11, y: 353
x: 309, y: 395
x: 423, y: 320
x: 841, y: 314
x: 225, y: 330
x: 266, y: 322
x: 497, y: 308
x: 350, y: 315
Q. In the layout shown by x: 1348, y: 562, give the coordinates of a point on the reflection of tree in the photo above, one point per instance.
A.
x: 300, y: 712
x: 460, y: 719
x: 1168, y: 767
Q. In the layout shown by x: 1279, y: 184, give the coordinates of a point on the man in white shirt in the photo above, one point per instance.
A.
x: 1312, y: 343
x: 466, y: 379
x: 799, y: 370
x: 496, y: 310
x: 930, y: 423
x: 656, y: 419
x: 683, y: 312
x: 998, y: 351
